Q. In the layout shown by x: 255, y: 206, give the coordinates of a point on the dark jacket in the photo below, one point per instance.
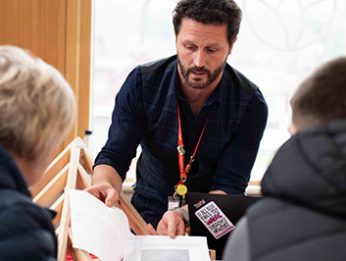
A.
x: 303, y: 214
x: 26, y: 231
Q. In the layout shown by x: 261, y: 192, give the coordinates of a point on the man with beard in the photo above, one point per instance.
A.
x: 198, y: 120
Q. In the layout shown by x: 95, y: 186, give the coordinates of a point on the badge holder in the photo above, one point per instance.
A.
x: 173, y: 202
x: 178, y: 198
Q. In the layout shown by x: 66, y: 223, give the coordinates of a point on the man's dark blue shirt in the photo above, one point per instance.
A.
x: 145, y: 113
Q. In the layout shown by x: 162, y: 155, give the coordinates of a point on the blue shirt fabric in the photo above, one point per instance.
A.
x: 145, y: 113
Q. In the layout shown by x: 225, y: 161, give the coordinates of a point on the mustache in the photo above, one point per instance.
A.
x: 198, y: 70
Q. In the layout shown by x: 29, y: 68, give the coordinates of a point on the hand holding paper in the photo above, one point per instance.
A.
x: 105, y: 232
x: 96, y: 228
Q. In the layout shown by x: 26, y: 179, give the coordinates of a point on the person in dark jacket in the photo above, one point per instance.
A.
x: 198, y: 120
x: 37, y: 107
x: 303, y: 213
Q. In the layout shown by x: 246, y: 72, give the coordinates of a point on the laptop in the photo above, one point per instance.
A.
x: 233, y: 207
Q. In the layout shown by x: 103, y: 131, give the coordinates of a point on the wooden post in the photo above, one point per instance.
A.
x: 72, y: 169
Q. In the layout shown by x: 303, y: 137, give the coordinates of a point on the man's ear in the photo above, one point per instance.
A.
x: 292, y: 129
x: 231, y: 45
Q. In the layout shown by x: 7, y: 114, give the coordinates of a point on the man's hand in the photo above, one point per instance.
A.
x: 152, y: 230
x: 171, y: 224
x: 106, y: 193
x: 106, y: 185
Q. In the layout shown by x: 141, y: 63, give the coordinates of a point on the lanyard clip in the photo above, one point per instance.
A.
x: 181, y: 149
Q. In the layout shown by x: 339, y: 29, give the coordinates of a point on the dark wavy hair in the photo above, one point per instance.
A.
x: 214, y: 12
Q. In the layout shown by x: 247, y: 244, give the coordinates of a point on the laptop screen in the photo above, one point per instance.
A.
x: 214, y: 216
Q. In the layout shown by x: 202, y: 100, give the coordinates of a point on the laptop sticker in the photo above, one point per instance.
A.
x: 214, y: 220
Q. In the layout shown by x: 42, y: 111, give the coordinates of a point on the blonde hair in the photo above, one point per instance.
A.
x: 37, y: 105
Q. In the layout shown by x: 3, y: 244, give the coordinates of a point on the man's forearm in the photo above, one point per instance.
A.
x: 107, y: 174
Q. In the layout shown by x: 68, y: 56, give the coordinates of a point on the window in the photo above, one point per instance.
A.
x: 279, y: 44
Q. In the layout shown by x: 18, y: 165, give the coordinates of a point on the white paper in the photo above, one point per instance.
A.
x: 105, y: 232
x: 158, y: 248
x: 96, y: 228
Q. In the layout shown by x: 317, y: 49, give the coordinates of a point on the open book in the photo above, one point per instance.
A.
x: 105, y: 232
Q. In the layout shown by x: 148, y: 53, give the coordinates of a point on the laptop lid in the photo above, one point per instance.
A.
x: 207, y: 205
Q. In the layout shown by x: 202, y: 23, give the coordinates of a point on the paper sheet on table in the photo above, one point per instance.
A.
x: 96, y: 228
x: 158, y: 248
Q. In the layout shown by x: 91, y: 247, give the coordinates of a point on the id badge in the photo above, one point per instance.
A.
x: 214, y: 220
x: 173, y: 202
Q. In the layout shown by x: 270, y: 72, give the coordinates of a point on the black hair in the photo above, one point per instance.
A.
x: 214, y: 12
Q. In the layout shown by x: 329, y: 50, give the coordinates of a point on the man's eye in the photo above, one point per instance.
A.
x: 210, y: 50
x: 189, y: 47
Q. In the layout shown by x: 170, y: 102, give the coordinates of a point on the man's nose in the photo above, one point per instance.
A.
x: 199, y: 59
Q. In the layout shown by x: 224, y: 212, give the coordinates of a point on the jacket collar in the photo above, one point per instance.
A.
x: 310, y: 169
x: 10, y: 176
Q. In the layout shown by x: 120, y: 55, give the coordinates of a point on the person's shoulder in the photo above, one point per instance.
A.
x: 238, y: 245
x: 19, y: 213
x: 249, y: 91
x: 16, y: 206
x: 28, y: 231
x: 241, y: 81
x: 157, y: 66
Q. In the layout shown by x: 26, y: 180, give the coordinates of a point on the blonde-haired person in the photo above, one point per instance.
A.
x: 37, y: 108
x: 303, y: 213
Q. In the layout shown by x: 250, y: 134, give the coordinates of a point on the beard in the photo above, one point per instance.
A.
x: 197, y: 82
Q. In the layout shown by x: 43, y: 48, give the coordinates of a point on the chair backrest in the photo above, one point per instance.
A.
x: 72, y: 169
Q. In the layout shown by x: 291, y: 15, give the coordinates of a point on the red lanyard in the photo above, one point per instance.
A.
x: 181, y: 150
